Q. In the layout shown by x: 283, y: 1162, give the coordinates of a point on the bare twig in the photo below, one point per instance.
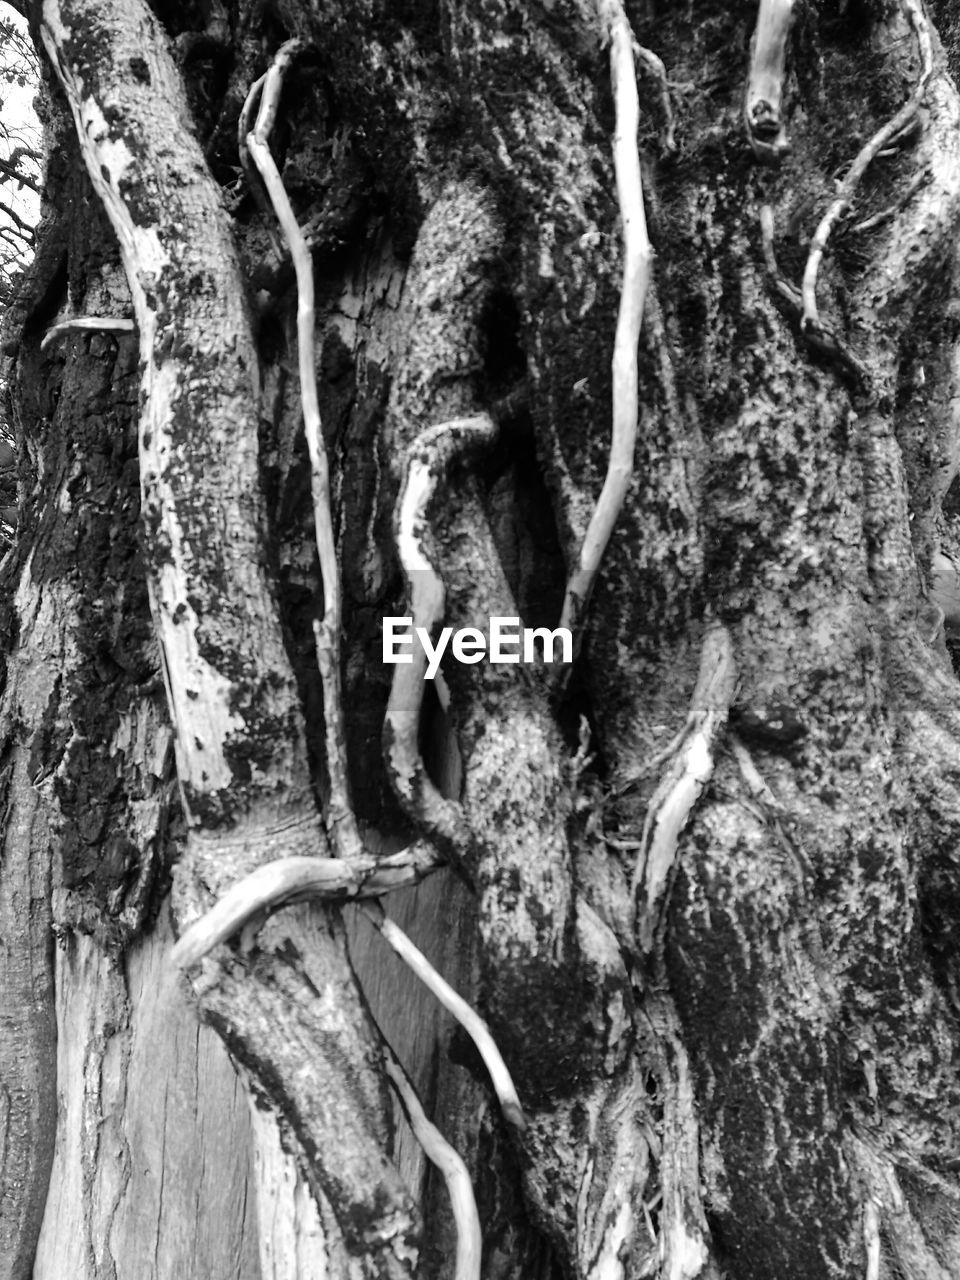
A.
x: 469, y: 1019
x: 103, y: 324
x: 867, y: 153
x: 340, y: 817
x: 10, y: 170
x: 878, y: 219
x: 440, y: 1153
x: 637, y: 254
x: 24, y: 227
x: 284, y: 881
x: 655, y: 65
x: 762, y: 105
x: 428, y: 460
x: 821, y: 338
x: 691, y: 768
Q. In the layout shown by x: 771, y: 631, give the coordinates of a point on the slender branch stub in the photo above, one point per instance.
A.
x: 763, y: 104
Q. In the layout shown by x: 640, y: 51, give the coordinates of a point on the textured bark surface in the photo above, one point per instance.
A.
x: 750, y: 1073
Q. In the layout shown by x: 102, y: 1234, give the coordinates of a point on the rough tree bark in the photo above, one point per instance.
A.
x: 704, y: 888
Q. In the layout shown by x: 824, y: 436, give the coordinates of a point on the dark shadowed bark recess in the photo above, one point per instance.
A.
x: 704, y: 888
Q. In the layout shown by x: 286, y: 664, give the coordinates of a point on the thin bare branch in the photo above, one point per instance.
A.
x: 637, y: 254
x: 469, y: 1019
x: 441, y: 1154
x: 867, y: 153
x: 103, y: 324
x: 341, y: 821
x: 10, y: 169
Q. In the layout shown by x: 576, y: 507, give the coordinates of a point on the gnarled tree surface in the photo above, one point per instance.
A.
x: 703, y: 887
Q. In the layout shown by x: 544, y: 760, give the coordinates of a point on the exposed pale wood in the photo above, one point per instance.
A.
x: 153, y: 1173
x: 27, y: 1028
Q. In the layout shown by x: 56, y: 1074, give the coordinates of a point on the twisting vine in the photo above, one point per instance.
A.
x: 341, y: 822
x: 455, y: 1173
x: 637, y: 256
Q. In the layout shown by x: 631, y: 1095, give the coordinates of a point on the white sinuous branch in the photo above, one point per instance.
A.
x: 428, y: 460
x: 637, y: 254
x: 762, y: 108
x: 689, y: 771
x: 867, y: 153
x: 469, y: 1019
x: 446, y: 1159
x: 102, y: 324
x: 341, y: 822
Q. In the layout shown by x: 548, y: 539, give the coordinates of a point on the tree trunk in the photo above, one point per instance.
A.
x: 701, y: 884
